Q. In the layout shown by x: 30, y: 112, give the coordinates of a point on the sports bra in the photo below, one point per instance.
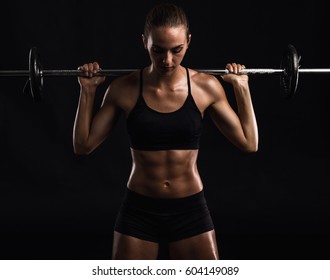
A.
x: 150, y: 130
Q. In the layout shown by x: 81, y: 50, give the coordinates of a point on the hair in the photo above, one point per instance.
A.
x: 166, y: 15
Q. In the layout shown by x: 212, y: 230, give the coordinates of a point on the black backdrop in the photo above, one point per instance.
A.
x: 270, y: 205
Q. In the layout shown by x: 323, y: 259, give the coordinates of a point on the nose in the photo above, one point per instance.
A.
x: 167, y: 59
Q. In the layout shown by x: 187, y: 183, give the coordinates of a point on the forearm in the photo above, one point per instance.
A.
x: 83, y: 120
x: 246, y: 115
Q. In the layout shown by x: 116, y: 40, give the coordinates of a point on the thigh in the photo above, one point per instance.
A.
x: 127, y: 247
x: 199, y: 247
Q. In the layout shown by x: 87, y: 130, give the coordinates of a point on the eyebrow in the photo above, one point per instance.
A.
x: 178, y: 46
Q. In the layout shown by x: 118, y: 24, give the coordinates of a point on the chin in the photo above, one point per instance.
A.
x: 165, y: 71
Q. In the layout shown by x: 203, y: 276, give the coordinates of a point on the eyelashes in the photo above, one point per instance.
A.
x: 177, y: 50
x: 158, y: 50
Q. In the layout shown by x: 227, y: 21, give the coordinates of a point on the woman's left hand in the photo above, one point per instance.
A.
x: 234, y: 75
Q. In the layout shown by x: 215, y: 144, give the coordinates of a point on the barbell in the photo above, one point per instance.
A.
x: 289, y: 72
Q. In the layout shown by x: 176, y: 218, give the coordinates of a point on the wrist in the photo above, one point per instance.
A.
x: 88, y: 90
x: 241, y: 85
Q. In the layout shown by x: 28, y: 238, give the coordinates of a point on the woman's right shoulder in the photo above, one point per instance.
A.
x: 127, y: 81
x: 124, y: 87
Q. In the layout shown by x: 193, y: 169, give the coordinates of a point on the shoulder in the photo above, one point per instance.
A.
x: 125, y: 82
x: 123, y: 87
x: 208, y: 85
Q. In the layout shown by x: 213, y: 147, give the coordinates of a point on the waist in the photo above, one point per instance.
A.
x: 165, y: 165
x: 171, y: 173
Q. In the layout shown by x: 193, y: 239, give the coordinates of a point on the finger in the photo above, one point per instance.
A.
x: 236, y: 68
x: 233, y: 68
x: 96, y: 67
x: 90, y: 69
x: 84, y: 68
x: 242, y: 67
x: 230, y: 67
x: 239, y: 68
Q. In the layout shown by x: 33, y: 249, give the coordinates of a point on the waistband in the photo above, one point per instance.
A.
x: 164, y: 205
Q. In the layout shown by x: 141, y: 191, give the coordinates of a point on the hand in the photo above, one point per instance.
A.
x: 234, y: 75
x: 89, y: 80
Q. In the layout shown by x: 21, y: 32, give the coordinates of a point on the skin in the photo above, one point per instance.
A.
x: 170, y: 173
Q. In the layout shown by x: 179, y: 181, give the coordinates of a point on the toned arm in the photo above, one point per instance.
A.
x: 89, y: 132
x: 241, y: 127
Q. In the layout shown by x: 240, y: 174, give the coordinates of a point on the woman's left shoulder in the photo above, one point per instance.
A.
x: 204, y: 81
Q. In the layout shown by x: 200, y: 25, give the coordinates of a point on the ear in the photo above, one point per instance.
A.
x: 189, y: 40
x: 145, y: 41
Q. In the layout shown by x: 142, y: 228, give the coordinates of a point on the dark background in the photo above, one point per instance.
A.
x: 270, y: 205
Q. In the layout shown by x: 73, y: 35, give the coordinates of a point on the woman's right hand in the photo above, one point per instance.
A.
x: 89, y: 81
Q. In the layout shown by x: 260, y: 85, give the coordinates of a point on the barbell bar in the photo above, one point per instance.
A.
x: 289, y: 72
x: 119, y: 72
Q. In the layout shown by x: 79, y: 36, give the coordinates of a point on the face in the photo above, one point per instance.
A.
x: 167, y: 47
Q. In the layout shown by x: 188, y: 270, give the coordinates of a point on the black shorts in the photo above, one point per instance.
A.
x: 156, y: 219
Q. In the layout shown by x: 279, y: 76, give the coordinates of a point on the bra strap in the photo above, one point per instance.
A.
x: 188, y: 79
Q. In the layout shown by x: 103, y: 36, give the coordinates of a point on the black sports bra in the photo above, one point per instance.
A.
x: 151, y: 130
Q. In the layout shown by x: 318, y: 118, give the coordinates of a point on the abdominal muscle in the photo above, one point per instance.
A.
x: 165, y: 174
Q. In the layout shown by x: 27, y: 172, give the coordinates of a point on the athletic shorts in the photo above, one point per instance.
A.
x: 156, y: 219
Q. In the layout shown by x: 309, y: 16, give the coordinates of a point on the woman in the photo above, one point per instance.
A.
x: 164, y: 105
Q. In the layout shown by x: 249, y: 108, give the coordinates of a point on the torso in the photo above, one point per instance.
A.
x: 164, y: 173
x: 171, y: 173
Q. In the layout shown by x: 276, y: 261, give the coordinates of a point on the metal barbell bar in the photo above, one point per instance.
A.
x: 119, y: 72
x: 289, y: 72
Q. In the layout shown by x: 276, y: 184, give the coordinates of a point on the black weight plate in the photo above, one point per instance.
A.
x: 36, y: 80
x: 290, y: 65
